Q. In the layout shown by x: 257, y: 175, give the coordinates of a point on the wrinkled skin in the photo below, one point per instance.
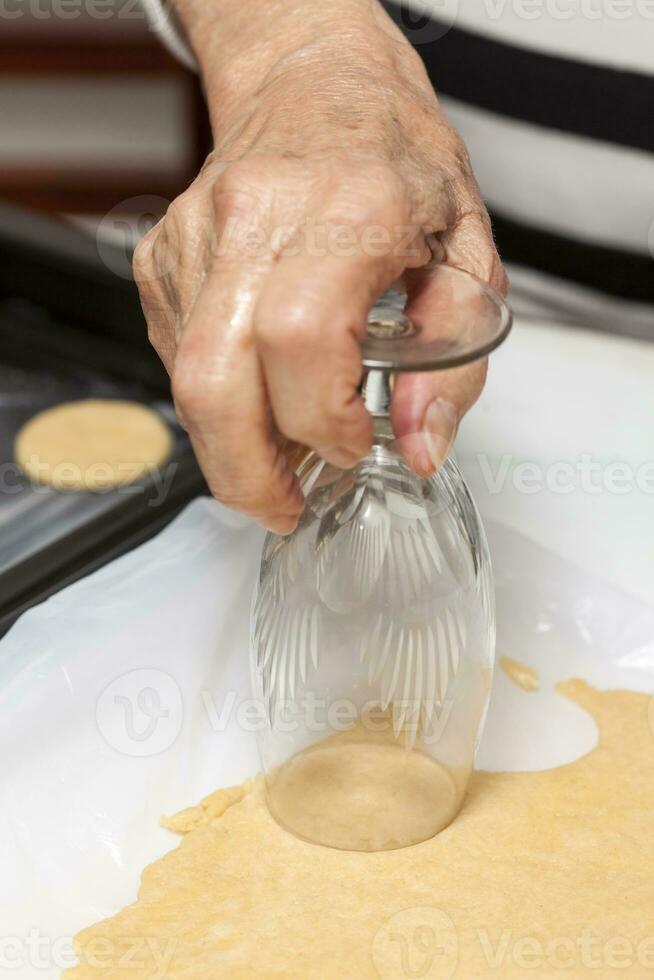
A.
x: 334, y: 174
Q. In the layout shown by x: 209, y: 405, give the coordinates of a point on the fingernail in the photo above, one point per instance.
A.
x: 440, y: 424
x: 281, y: 525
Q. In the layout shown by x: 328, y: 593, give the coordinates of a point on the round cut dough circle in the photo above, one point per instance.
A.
x: 95, y: 444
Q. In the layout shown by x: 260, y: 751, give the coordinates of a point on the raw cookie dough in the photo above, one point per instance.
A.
x: 543, y: 874
x: 522, y: 675
x: 94, y: 444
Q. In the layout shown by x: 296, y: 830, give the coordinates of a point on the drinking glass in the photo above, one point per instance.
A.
x: 373, y: 627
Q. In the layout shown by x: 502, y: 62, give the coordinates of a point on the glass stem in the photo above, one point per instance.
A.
x: 376, y: 392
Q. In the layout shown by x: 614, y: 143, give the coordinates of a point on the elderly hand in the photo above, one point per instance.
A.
x: 334, y: 173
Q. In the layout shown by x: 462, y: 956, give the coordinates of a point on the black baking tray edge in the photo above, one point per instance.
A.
x: 58, y: 268
x: 99, y: 541
x: 72, y: 307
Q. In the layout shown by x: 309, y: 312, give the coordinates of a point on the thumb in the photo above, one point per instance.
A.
x: 426, y: 411
x: 427, y: 408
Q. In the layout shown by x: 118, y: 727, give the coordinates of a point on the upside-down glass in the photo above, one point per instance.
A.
x: 373, y: 623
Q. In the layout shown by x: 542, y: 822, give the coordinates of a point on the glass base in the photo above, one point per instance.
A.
x: 453, y: 319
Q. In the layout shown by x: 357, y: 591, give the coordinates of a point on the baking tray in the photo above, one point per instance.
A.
x: 49, y: 538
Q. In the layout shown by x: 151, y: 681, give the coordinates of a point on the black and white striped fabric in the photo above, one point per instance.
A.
x: 555, y: 100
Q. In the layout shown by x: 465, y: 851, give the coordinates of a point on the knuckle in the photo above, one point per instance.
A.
x: 300, y: 428
x: 330, y: 424
x: 239, y: 186
x: 313, y: 427
x: 264, y: 491
x: 388, y: 183
x: 359, y: 196
x: 286, y: 326
x: 193, y: 391
x: 181, y: 217
x: 142, y: 259
x: 475, y: 241
x: 185, y: 222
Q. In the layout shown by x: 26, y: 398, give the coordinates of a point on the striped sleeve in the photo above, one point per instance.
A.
x: 163, y: 22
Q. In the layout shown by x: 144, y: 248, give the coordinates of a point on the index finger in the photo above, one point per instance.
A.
x: 219, y: 388
x: 308, y: 321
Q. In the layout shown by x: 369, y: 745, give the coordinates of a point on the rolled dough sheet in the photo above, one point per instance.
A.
x: 522, y: 675
x: 543, y: 874
x: 93, y: 444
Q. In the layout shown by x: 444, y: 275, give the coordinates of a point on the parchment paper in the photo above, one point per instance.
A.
x: 126, y: 696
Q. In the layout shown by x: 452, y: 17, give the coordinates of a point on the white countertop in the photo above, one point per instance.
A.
x: 558, y: 395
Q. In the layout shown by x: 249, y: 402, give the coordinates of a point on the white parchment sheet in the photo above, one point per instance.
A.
x: 126, y: 696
